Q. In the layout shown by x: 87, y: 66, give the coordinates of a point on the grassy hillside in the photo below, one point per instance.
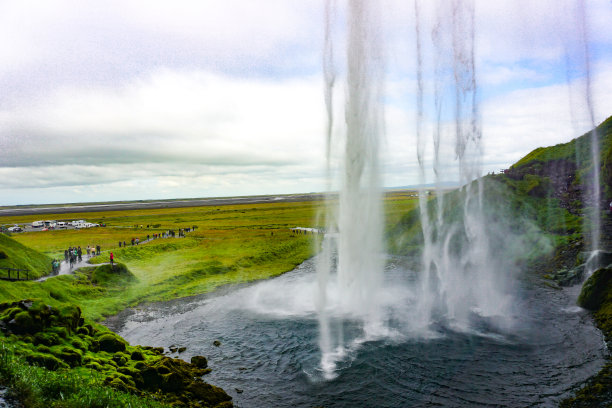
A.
x: 16, y: 255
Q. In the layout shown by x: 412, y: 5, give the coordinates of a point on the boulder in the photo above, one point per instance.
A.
x: 111, y: 343
x: 199, y: 361
x: 595, y: 289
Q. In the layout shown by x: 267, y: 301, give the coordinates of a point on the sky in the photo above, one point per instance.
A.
x: 134, y: 100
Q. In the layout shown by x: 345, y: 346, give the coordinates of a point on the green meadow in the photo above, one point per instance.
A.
x: 230, y: 244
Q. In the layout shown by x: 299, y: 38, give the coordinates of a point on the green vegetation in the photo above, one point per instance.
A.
x: 18, y: 256
x: 59, y: 340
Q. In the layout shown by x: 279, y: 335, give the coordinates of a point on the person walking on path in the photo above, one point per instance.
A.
x: 112, y: 258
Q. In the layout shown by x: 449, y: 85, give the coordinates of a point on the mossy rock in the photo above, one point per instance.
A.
x: 61, y: 331
x: 47, y: 339
x: 80, y: 344
x: 172, y: 382
x: 152, y: 380
x: 94, y: 366
x: 50, y: 362
x: 209, y: 393
x: 43, y: 349
x: 199, y: 361
x: 120, y: 359
x: 111, y: 343
x: 94, y: 346
x: 70, y: 317
x: 9, y: 314
x: 595, y: 289
x: 70, y: 356
x: 137, y: 355
x: 155, y: 350
x: 24, y: 322
x: 3, y: 255
x: 115, y: 275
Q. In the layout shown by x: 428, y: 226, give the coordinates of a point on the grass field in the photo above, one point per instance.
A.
x: 231, y: 244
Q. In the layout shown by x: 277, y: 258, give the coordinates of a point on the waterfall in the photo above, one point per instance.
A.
x: 358, y: 215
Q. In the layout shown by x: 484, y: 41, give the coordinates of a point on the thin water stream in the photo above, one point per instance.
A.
x: 269, y: 354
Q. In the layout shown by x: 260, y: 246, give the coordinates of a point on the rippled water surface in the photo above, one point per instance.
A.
x: 269, y: 354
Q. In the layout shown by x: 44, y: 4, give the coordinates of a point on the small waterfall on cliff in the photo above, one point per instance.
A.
x: 594, y: 184
x: 458, y: 273
x: 578, y: 60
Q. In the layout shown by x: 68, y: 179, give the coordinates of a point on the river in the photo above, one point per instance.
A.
x: 269, y: 354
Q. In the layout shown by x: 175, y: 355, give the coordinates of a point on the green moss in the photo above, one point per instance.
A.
x: 50, y: 362
x: 111, y: 343
x: 596, y: 289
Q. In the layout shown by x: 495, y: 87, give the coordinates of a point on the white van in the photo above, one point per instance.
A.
x: 38, y: 224
x: 61, y: 224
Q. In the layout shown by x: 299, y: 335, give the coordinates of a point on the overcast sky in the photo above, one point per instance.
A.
x: 113, y: 100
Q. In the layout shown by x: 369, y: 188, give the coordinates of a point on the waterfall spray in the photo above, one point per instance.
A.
x: 458, y: 273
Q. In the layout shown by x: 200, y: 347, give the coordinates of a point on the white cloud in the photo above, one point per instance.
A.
x: 207, y: 97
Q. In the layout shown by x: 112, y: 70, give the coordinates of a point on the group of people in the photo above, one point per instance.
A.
x: 75, y: 254
x: 167, y: 234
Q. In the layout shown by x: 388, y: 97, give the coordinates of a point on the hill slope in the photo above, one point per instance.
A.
x: 15, y: 255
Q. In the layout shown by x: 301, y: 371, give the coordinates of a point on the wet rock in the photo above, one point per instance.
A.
x: 238, y: 390
x: 216, y: 343
x: 568, y: 277
x: 595, y: 289
x: 156, y: 350
x: 199, y: 361
x: 181, y: 349
x: 210, y: 393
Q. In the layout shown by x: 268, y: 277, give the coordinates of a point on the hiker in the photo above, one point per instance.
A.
x: 88, y: 249
x: 66, y: 255
x: 111, y: 259
x: 97, y: 249
x: 124, y: 243
x: 80, y: 254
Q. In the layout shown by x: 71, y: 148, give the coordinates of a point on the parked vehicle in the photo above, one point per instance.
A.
x: 62, y: 224
x: 15, y: 228
x: 38, y: 224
